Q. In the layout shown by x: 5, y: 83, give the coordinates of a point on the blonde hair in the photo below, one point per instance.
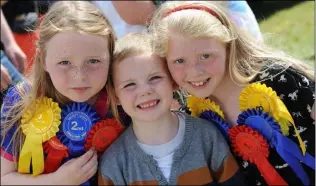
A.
x: 133, y: 44
x: 63, y: 16
x: 246, y: 56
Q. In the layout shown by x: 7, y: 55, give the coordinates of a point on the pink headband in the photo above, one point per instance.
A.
x: 193, y: 7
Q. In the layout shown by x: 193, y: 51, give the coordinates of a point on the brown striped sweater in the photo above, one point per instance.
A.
x: 202, y: 158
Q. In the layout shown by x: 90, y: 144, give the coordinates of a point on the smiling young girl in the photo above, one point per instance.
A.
x: 73, y: 56
x: 260, y: 98
x: 161, y: 146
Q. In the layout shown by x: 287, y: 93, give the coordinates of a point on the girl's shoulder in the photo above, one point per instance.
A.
x: 284, y: 80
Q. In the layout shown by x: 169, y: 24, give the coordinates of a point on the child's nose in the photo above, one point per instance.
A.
x: 79, y: 73
x: 145, y: 89
x: 195, y: 68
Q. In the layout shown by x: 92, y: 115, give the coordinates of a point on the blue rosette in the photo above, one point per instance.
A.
x: 77, y: 120
x: 221, y: 124
x: 286, y: 148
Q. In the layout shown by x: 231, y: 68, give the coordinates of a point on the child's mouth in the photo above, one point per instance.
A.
x: 148, y: 104
x: 199, y: 84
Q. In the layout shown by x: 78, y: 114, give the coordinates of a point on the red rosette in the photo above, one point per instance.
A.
x: 56, y: 152
x: 251, y: 146
x: 103, y: 134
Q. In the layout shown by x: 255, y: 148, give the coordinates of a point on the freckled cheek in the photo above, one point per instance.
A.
x: 177, y: 74
x: 214, y: 67
x: 58, y: 76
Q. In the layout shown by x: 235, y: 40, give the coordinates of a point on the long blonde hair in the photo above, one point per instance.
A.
x: 246, y: 56
x: 63, y: 16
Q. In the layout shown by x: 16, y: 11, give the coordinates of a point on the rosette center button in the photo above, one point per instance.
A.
x: 76, y: 125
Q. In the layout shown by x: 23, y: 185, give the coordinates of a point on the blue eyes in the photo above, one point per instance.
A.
x: 205, y: 56
x: 202, y: 57
x: 64, y: 63
x: 90, y: 61
x: 179, y: 61
x: 93, y: 61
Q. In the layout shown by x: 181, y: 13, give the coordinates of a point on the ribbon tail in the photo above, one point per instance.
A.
x: 270, y: 175
x: 37, y: 155
x: 292, y: 148
x: 25, y: 156
x: 38, y: 160
x: 53, y: 160
x: 309, y: 160
x: 285, y: 115
x: 292, y: 155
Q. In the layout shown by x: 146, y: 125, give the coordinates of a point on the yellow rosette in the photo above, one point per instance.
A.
x: 39, y: 123
x: 259, y: 96
x: 198, y: 105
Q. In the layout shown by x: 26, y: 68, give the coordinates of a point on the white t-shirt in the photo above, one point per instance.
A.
x: 120, y: 27
x: 163, y: 154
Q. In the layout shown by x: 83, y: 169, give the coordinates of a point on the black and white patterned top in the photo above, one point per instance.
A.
x: 298, y: 94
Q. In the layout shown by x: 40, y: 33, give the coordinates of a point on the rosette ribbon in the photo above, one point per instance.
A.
x: 56, y: 152
x: 77, y: 120
x: 102, y: 135
x: 221, y: 124
x: 251, y: 146
x: 39, y: 123
x: 261, y: 97
x: 198, y: 105
x: 285, y: 147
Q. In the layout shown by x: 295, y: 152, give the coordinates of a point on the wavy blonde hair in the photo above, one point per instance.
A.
x: 63, y: 16
x: 246, y: 56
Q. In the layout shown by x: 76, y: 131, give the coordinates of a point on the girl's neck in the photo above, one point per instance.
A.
x: 157, y: 132
x: 93, y: 99
x: 227, y: 97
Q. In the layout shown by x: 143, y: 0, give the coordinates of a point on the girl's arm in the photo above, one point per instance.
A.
x: 74, y: 172
x: 9, y: 176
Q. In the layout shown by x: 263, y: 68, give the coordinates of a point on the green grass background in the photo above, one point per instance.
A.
x: 292, y: 30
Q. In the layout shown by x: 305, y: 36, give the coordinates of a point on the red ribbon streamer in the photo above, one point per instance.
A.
x: 250, y: 145
x: 56, y: 152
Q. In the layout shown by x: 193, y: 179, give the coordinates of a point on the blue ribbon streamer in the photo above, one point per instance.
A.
x: 285, y: 147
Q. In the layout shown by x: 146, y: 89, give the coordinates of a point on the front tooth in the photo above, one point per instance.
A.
x: 201, y: 83
x: 151, y: 104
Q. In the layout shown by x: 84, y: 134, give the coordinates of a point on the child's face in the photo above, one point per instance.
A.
x: 143, y: 87
x: 197, y: 65
x: 77, y: 64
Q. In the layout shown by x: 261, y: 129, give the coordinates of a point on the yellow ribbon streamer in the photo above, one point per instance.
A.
x: 39, y: 123
x: 32, y: 151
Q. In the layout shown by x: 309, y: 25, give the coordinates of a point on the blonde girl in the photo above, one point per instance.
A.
x: 73, y: 54
x: 210, y: 58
